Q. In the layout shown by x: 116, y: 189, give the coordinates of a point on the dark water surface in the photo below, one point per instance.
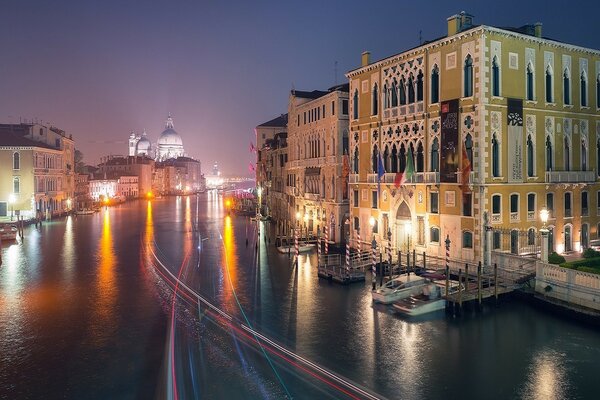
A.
x: 87, y: 312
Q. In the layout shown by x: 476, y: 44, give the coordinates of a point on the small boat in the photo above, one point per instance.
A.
x: 399, y: 288
x: 302, y: 248
x: 428, y: 301
x: 8, y: 232
x: 84, y: 212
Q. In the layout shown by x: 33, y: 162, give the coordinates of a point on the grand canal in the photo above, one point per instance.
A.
x: 164, y: 299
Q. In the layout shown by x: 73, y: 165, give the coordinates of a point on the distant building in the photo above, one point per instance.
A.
x: 178, y: 176
x: 36, y: 170
x: 140, y: 166
x: 317, y: 142
x: 170, y: 144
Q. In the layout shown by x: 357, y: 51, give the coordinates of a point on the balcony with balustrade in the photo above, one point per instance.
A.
x: 570, y: 176
x: 403, y: 110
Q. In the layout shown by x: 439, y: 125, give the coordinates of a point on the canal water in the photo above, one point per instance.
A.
x: 90, y: 308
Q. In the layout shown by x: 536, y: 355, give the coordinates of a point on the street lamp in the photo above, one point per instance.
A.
x: 544, y: 232
x: 11, y: 201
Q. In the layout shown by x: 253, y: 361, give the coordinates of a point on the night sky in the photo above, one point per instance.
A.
x: 100, y: 69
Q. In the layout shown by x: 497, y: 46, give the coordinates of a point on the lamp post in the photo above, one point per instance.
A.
x: 544, y: 231
x: 11, y: 201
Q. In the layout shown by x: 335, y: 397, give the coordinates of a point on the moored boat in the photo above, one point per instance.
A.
x: 84, y: 212
x: 399, y: 288
x: 8, y: 232
x: 302, y: 248
x: 429, y: 300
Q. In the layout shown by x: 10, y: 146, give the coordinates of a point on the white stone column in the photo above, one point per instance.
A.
x: 544, y: 250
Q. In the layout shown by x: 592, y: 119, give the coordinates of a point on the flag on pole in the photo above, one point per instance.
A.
x: 380, y: 173
x: 465, y: 170
x: 252, y: 148
x: 402, y: 177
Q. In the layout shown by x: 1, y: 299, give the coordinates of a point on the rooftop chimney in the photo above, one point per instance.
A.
x: 538, y: 29
x: 365, y: 58
x: 459, y: 22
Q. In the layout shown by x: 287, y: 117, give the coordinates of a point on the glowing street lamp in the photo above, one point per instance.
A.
x: 544, y: 213
x: 407, y: 229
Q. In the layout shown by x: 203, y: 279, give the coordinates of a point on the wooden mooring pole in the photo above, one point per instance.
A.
x: 496, y: 281
x: 424, y: 261
x: 479, y: 282
x: 459, y: 287
x: 447, y: 279
x: 414, y: 260
x: 408, y: 260
x: 466, y: 278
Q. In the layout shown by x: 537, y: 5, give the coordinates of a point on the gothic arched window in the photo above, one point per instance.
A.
x: 495, y: 157
x: 355, y: 161
x: 394, y: 160
x: 420, y: 86
x: 566, y: 88
x: 469, y: 148
x: 530, y: 157
x: 435, y: 156
x: 374, y: 159
x: 583, y: 90
x: 386, y: 158
x: 355, y: 103
x: 375, y: 103
x: 549, y: 96
x: 420, y: 159
x: 495, y: 77
x: 584, y: 155
x: 402, y: 90
x: 435, y: 84
x: 386, y: 96
x: 549, y: 153
x: 402, y: 159
x: 468, y: 77
x: 394, y: 94
x: 16, y: 160
x: 529, y: 88
x: 411, y: 89
x: 567, y: 150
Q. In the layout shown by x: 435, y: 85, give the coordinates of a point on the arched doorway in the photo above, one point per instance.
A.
x: 403, y: 227
x: 568, y: 239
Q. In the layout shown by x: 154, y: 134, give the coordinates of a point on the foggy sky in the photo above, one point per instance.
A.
x: 99, y: 69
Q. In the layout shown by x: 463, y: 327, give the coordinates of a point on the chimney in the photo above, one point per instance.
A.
x: 459, y: 22
x: 365, y: 58
x: 537, y: 27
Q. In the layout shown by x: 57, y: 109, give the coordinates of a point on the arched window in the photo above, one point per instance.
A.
x: 435, y: 84
x: 530, y: 157
x: 598, y: 160
x: 495, y: 77
x: 420, y: 159
x: 355, y: 161
x: 411, y: 154
x: 386, y: 158
x: 402, y: 90
x: 549, y: 96
x: 583, y: 90
x: 374, y: 159
x: 16, y: 185
x: 16, y: 160
x: 435, y: 156
x: 402, y: 159
x: 355, y: 103
x: 530, y: 95
x: 495, y: 157
x: 566, y: 88
x: 567, y: 155
x: 549, y: 153
x: 584, y: 155
x: 386, y: 96
x: 411, y: 89
x: 375, y: 103
x: 468, y: 77
x: 585, y: 236
x: 531, y: 237
x: 420, y: 86
x: 394, y: 160
x: 467, y: 239
x: 395, y: 93
x: 469, y: 148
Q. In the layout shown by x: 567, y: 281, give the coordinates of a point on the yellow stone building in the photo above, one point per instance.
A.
x: 522, y: 108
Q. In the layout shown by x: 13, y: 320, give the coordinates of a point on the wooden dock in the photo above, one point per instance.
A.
x: 333, y: 267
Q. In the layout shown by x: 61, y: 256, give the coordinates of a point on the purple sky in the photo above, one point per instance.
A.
x: 100, y: 69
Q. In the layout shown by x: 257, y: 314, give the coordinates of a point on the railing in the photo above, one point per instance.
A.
x: 417, y: 177
x: 496, y: 218
x: 371, y: 178
x: 353, y: 178
x: 570, y: 176
x: 405, y: 109
x: 571, y: 286
x: 312, y: 196
x: 514, y: 217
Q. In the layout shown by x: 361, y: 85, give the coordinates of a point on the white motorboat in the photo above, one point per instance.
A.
x: 84, y: 212
x: 8, y: 232
x: 302, y: 248
x: 399, y: 288
x: 428, y: 301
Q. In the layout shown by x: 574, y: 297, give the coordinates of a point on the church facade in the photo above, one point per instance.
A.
x: 169, y: 145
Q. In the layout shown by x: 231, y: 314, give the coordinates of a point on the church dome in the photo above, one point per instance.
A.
x: 169, y: 137
x: 143, y: 145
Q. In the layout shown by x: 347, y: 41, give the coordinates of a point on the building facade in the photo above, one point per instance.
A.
x: 140, y: 166
x: 317, y: 150
x: 36, y: 170
x: 480, y: 129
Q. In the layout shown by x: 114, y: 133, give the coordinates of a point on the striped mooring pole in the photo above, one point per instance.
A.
x: 296, y: 244
x: 374, y: 260
x: 389, y: 253
x: 318, y: 249
x: 326, y: 240
x: 358, y: 243
x: 348, y: 256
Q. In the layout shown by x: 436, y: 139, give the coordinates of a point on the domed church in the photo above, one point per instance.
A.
x: 170, y: 144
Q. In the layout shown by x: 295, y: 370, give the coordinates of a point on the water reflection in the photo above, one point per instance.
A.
x: 68, y: 257
x: 547, y: 376
x: 229, y: 262
x: 106, y: 290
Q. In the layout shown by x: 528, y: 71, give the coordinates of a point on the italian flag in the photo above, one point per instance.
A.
x: 402, y: 177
